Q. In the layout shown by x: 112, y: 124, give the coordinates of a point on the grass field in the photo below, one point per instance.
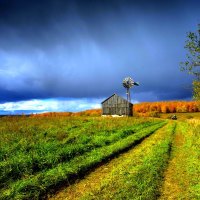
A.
x: 144, y: 158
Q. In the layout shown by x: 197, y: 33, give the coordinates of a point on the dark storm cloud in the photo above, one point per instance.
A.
x: 85, y: 48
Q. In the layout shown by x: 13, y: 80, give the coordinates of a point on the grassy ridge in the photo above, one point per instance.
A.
x: 139, y: 176
x: 46, y: 156
x: 22, y: 133
x: 32, y: 187
x: 26, y: 134
x: 182, y: 176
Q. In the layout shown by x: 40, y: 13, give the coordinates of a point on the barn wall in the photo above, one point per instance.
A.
x: 116, y: 105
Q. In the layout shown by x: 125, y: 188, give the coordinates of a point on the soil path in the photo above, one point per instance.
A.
x: 96, y: 178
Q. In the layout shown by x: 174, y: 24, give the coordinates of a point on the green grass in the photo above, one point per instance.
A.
x: 38, y: 154
x: 140, y: 175
x: 43, y: 156
x: 182, y: 176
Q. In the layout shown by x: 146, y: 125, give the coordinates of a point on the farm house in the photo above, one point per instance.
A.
x: 116, y: 105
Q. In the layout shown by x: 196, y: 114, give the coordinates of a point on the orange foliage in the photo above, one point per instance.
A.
x: 93, y: 112
x: 168, y: 107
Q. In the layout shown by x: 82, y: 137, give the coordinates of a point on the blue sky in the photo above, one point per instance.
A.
x: 70, y: 55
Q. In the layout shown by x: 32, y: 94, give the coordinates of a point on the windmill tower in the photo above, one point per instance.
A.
x: 128, y: 83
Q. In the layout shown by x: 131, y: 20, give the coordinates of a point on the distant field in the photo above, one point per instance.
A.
x: 181, y: 116
x: 38, y: 155
x: 148, y: 109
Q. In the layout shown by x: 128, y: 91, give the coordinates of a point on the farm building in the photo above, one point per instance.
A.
x: 116, y: 105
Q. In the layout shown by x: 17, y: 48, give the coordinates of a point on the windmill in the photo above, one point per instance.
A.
x: 129, y: 83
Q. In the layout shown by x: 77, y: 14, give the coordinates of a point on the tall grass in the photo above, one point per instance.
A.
x: 43, y: 156
x: 140, y: 175
x: 38, y: 153
x: 182, y: 175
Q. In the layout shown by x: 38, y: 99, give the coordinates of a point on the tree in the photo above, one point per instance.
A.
x: 196, y: 90
x: 192, y: 63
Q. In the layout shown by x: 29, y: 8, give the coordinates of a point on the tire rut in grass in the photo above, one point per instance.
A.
x: 107, y: 172
x: 171, y: 188
x: 176, y: 178
x: 65, y: 154
x: 50, y: 179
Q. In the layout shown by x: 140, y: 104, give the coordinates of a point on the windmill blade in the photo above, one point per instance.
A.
x: 136, y: 83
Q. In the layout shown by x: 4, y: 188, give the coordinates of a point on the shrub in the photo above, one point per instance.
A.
x: 154, y: 114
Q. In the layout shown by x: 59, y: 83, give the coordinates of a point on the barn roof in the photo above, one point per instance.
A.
x: 114, y: 95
